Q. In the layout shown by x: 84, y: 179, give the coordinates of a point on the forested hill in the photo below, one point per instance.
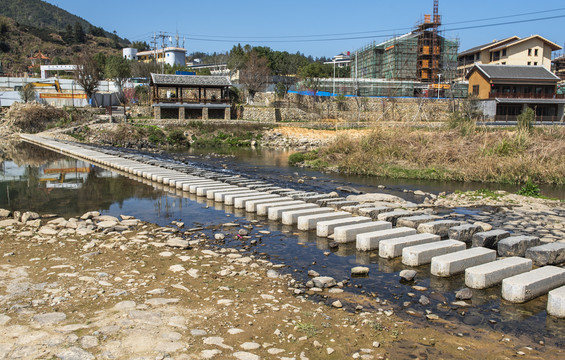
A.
x: 40, y: 14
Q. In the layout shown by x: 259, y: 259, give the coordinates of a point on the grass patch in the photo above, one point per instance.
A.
x: 508, y: 156
x: 308, y: 328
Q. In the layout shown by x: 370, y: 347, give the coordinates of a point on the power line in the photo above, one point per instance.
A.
x: 373, y: 36
x: 288, y: 37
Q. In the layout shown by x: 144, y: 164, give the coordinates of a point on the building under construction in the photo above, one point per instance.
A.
x: 422, y: 59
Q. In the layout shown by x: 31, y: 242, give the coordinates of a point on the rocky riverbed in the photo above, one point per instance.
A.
x: 97, y: 286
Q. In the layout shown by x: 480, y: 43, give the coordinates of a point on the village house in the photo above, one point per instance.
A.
x: 531, y: 51
x: 505, y: 91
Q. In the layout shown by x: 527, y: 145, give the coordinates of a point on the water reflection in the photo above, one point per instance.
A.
x: 22, y: 188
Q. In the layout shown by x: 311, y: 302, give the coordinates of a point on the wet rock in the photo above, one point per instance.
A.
x: 313, y: 273
x: 324, y: 282
x: 243, y: 232
x: 219, y: 236
x: 408, y: 275
x: 359, y: 271
x: 464, y: 294
x: 424, y: 300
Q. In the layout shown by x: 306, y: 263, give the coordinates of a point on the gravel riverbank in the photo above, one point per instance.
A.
x: 113, y: 288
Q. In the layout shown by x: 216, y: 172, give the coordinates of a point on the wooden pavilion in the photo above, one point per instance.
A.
x: 190, y: 97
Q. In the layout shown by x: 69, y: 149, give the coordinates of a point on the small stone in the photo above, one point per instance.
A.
x: 424, y: 300
x: 250, y: 346
x: 273, y: 274
x: 49, y: 318
x: 464, y: 294
x: 337, y: 304
x: 408, y: 275
x: 313, y: 273
x: 330, y: 351
x: 243, y: 232
x: 219, y: 236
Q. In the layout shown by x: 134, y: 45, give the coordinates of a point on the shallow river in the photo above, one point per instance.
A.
x: 47, y: 182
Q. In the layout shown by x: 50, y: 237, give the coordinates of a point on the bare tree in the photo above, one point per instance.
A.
x: 255, y: 74
x: 27, y: 93
x: 88, y: 74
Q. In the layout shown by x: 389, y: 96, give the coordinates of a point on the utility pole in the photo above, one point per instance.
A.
x: 438, y: 85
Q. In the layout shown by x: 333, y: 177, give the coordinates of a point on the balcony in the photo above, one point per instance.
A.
x: 507, y: 95
x: 185, y: 100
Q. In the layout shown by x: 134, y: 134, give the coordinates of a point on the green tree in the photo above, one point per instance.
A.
x: 140, y: 45
x: 78, y: 33
x: 119, y: 70
x: 312, y: 73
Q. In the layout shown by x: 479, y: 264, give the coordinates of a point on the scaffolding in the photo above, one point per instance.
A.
x: 422, y: 55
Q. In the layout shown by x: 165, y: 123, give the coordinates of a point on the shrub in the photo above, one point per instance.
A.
x: 530, y: 189
x: 295, y: 158
x: 177, y: 138
x: 526, y: 119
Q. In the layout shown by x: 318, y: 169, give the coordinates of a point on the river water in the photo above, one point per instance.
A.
x: 46, y: 182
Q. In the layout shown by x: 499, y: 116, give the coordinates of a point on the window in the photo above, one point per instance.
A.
x: 503, y: 52
x: 529, y: 63
x: 475, y: 89
x: 535, y: 63
x: 529, y: 52
x: 536, y: 52
x: 504, y: 63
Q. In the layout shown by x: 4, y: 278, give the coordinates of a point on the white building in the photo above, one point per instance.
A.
x: 168, y: 55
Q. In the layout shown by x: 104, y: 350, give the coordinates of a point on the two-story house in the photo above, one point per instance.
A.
x: 505, y: 91
x: 531, y: 51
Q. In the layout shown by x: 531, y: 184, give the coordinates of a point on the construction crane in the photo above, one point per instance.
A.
x: 54, y: 83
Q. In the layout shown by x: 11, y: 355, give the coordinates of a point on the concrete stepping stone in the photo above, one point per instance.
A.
x: 547, y: 254
x: 229, y: 199
x: 340, y: 204
x: 393, y: 216
x: 310, y: 222
x: 326, y: 228
x: 202, y: 190
x: 348, y: 233
x: 193, y: 188
x: 374, y: 211
x: 220, y: 196
x: 489, y: 239
x: 423, y: 254
x: 239, y: 203
x: 370, y: 240
x: 490, y: 274
x: 463, y: 232
x: 438, y: 227
x: 523, y: 287
x: 456, y: 263
x: 392, y: 248
x: 516, y: 245
x: 263, y: 209
x: 556, y: 302
x: 211, y: 193
x: 275, y: 213
x: 416, y: 220
x: 290, y: 217
x: 251, y: 206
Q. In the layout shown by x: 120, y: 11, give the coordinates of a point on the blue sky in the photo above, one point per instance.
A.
x: 217, y: 25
